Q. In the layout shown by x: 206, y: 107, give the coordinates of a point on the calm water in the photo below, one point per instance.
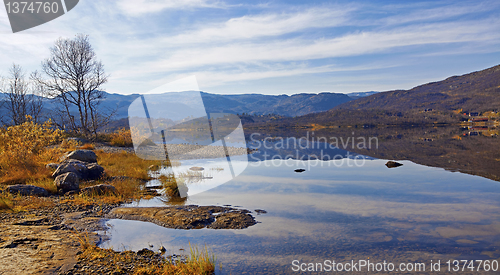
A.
x: 337, y: 210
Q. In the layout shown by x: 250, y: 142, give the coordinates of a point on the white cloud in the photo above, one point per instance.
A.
x: 143, y: 7
x: 273, y: 24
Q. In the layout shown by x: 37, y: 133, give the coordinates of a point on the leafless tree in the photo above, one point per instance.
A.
x: 23, y: 97
x: 75, y: 77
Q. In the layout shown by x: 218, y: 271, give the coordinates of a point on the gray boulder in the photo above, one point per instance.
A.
x: 27, y: 190
x: 74, y: 166
x: 94, y: 171
x: 82, y: 155
x: 100, y: 189
x: 67, y: 182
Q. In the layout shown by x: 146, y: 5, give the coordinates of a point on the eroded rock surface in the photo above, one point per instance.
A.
x: 188, y: 217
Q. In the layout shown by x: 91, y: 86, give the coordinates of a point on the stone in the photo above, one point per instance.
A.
x: 300, y: 170
x: 393, y: 164
x: 94, y: 172
x: 100, y: 189
x: 27, y: 190
x: 82, y: 155
x: 67, y: 182
x: 187, y: 217
x: 74, y: 166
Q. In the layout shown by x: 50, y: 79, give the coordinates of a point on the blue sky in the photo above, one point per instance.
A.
x: 271, y: 47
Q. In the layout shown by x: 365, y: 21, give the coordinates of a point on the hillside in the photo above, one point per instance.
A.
x: 473, y: 92
x: 442, y: 102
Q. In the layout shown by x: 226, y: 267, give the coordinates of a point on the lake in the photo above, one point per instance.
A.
x: 350, y: 209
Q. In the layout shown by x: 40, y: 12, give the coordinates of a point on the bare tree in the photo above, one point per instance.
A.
x: 23, y: 97
x: 75, y: 78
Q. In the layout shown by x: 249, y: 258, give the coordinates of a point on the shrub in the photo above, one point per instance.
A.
x: 121, y: 138
x: 24, y: 152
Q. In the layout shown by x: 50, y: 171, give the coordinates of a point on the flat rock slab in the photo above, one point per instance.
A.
x: 187, y: 217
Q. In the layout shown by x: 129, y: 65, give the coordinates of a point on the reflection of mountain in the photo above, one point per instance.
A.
x: 452, y: 148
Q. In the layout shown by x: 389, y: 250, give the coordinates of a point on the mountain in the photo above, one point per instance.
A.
x: 361, y: 94
x: 473, y: 92
x: 442, y: 102
x: 284, y: 105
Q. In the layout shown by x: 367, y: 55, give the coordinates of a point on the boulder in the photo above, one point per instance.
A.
x: 67, y: 182
x: 393, y: 164
x: 94, y: 171
x: 82, y: 155
x: 73, y: 166
x: 27, y: 190
x: 100, y: 189
x: 300, y: 170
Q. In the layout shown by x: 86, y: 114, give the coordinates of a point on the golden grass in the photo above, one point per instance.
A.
x: 125, y: 164
x: 121, y: 138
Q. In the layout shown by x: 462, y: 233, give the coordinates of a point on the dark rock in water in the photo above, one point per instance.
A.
x: 196, y: 168
x: 393, y: 164
x: 27, y: 190
x: 187, y: 217
x: 100, y: 189
x: 82, y: 155
x: 260, y: 211
x: 300, y: 170
x: 67, y: 182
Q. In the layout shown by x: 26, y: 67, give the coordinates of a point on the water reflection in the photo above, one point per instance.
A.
x: 339, y: 212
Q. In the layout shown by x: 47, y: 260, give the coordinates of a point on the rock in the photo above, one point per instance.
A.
x: 94, y: 171
x: 27, y: 190
x: 74, y: 166
x: 163, y: 249
x: 52, y: 166
x: 84, y: 171
x: 187, y: 217
x: 82, y: 155
x: 67, y: 182
x: 260, y: 211
x: 393, y: 164
x: 233, y: 220
x: 300, y: 170
x: 100, y: 189
x: 196, y: 168
x: 146, y: 252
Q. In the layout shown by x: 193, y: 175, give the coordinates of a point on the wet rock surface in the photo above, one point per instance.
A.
x: 187, y: 217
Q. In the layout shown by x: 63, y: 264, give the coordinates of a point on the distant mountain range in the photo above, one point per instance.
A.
x: 252, y: 104
x: 437, y: 102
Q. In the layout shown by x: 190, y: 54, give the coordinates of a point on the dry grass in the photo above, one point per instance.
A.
x: 120, y: 138
x: 198, y: 262
x: 125, y: 164
x: 87, y: 146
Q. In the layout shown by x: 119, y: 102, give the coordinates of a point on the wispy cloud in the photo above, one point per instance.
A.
x: 144, y: 7
x: 144, y: 42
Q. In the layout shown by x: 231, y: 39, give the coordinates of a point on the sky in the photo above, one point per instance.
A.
x: 270, y: 47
